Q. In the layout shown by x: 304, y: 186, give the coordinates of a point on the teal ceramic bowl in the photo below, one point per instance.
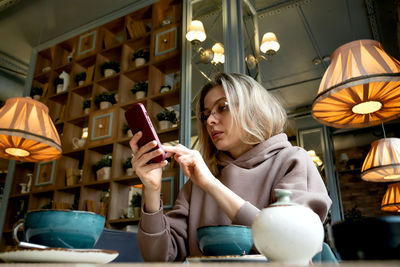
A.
x: 223, y: 240
x: 63, y: 228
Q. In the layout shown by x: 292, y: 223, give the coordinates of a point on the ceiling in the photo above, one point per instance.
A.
x: 306, y: 30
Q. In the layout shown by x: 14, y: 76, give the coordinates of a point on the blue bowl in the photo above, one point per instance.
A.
x: 63, y: 228
x: 223, y: 240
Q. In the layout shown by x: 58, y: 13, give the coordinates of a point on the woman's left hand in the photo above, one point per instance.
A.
x: 192, y: 164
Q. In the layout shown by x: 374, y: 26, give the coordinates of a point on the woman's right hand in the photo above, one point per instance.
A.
x: 149, y: 173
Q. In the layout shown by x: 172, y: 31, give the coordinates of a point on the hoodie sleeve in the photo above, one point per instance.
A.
x: 301, y: 177
x: 163, y: 237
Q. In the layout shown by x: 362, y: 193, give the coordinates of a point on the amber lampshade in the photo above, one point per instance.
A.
x: 382, y: 163
x: 360, y: 88
x: 391, y: 199
x: 27, y: 132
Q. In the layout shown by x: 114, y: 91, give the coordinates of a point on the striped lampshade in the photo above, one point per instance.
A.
x: 27, y: 132
x: 360, y: 88
x: 382, y: 163
x: 391, y: 199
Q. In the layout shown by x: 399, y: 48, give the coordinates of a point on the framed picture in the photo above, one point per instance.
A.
x: 45, y: 173
x: 167, y: 192
x: 87, y: 43
x: 102, y: 126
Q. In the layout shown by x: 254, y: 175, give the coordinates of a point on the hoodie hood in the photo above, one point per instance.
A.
x: 257, y: 154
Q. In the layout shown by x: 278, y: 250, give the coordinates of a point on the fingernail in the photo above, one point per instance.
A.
x: 154, y: 143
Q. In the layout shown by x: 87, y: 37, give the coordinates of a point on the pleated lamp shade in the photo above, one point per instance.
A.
x: 27, y: 132
x: 382, y: 163
x: 360, y: 88
x: 391, y: 199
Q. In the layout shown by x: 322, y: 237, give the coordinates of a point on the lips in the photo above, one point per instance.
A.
x: 216, y: 134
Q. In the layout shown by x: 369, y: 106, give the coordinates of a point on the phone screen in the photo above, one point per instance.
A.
x: 139, y: 120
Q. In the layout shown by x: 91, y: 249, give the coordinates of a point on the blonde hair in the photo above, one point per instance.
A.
x: 255, y: 112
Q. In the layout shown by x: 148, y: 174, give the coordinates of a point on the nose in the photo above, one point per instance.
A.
x: 212, y: 119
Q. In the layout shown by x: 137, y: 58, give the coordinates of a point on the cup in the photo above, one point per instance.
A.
x: 78, y: 143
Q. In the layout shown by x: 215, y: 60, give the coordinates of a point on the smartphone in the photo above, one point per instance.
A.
x: 139, y: 120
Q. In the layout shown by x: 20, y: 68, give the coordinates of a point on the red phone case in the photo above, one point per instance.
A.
x: 139, y: 120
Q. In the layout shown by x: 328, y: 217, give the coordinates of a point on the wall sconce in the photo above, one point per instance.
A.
x: 269, y: 44
x: 218, y: 50
x: 196, y: 33
x: 315, y: 158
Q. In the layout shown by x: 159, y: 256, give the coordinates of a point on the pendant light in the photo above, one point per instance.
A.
x: 27, y: 132
x: 360, y: 88
x: 391, y: 199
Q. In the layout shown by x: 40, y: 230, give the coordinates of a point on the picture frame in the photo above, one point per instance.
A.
x: 167, y: 192
x: 45, y: 173
x: 87, y: 43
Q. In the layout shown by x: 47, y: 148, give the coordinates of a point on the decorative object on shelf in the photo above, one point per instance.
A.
x: 78, y: 143
x: 360, y: 88
x: 127, y: 166
x: 274, y: 231
x: 103, y: 168
x: 46, y: 69
x: 45, y: 173
x: 105, y: 100
x: 391, y: 199
x: 126, y: 130
x: 166, y: 119
x: 58, y: 84
x: 140, y: 89
x: 382, y: 163
x: 140, y: 57
x: 36, y: 92
x: 22, y: 137
x: 86, y: 106
x: 24, y: 187
x: 109, y: 68
x: 73, y: 176
x: 71, y: 55
x: 165, y: 88
x: 65, y: 77
x: 136, y: 203
x: 80, y: 78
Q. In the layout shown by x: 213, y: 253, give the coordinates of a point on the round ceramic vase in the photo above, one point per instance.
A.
x: 288, y: 232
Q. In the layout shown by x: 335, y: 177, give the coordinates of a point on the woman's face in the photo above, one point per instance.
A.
x: 219, y: 123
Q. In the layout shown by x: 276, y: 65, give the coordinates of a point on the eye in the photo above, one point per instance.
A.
x: 223, y: 107
x: 204, y: 115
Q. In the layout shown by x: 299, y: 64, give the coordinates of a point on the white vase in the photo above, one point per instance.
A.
x: 105, y: 105
x: 140, y: 94
x: 65, y: 77
x: 129, y: 171
x: 59, y: 88
x: 288, y: 232
x: 80, y: 83
x: 103, y: 174
x: 36, y: 97
x: 164, y: 125
x: 78, y: 142
x: 109, y: 72
x: 86, y: 111
x: 140, y: 62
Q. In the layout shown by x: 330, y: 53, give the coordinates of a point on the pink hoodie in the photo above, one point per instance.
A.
x: 253, y: 176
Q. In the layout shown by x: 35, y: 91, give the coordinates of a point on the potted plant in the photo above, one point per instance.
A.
x: 58, y: 84
x: 140, y: 89
x: 36, y: 92
x: 103, y: 168
x: 166, y: 118
x: 127, y: 166
x: 136, y: 203
x: 105, y: 100
x: 80, y: 78
x: 86, y: 106
x: 126, y: 130
x: 140, y: 57
x: 109, y: 68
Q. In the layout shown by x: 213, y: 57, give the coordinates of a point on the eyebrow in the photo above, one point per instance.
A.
x: 218, y: 100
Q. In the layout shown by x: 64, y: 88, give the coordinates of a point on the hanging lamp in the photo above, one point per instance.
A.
x: 391, y: 199
x: 27, y: 132
x: 360, y: 88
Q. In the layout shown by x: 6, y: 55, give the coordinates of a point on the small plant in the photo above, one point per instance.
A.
x: 36, y: 91
x: 127, y: 164
x: 105, y: 161
x: 125, y: 128
x: 140, y: 86
x: 167, y: 115
x: 141, y: 53
x: 86, y: 103
x: 105, y: 97
x: 109, y: 65
x: 136, y: 200
x: 80, y: 77
x: 58, y: 81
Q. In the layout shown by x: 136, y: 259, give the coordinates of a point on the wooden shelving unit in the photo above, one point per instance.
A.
x: 148, y: 28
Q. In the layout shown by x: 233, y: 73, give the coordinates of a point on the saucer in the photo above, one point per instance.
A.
x: 59, y: 255
x: 233, y: 258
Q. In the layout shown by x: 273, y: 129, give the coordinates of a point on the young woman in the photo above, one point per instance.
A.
x: 244, y: 155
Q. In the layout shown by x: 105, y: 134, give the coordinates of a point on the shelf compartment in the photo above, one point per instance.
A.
x: 92, y: 156
x: 67, y: 198
x: 121, y: 154
x: 44, y: 61
x: 42, y: 200
x: 64, y: 52
x: 71, y: 131
x: 92, y: 198
x: 113, y: 33
x: 113, y: 54
x: 68, y: 167
x: 139, y: 23
x: 128, y: 81
x: 75, y: 105
x: 130, y: 48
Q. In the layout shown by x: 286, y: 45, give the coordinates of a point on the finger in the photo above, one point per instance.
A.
x: 180, y: 149
x: 133, y: 142
x: 146, y: 148
x: 153, y: 166
x: 148, y: 156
